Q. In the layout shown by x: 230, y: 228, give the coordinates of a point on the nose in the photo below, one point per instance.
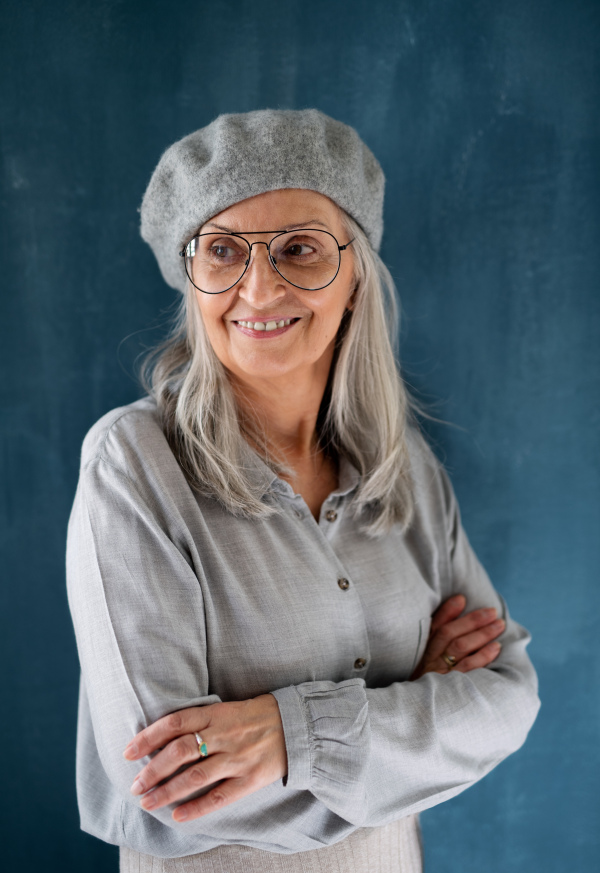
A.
x: 261, y: 284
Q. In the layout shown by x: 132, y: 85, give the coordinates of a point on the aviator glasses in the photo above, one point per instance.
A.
x: 307, y: 258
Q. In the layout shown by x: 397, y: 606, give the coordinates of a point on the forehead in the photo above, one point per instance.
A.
x: 277, y: 210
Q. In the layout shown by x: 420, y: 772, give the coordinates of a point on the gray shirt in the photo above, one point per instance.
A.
x: 178, y: 603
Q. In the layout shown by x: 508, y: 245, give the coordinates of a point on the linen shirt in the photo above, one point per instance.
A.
x: 176, y: 602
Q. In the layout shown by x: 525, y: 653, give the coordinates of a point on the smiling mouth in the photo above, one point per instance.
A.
x: 267, y: 326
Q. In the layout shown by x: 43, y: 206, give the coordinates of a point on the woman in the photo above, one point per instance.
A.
x: 257, y: 548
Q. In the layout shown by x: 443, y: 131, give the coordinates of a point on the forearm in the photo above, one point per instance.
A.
x: 372, y: 755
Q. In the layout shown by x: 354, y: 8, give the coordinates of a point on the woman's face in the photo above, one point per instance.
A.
x: 305, y: 346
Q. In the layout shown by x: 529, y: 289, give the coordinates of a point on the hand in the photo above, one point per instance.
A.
x: 470, y: 639
x: 246, y: 747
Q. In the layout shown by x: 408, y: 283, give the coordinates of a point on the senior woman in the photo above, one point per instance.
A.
x: 288, y: 647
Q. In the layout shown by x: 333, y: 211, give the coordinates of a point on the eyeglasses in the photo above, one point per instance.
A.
x: 307, y: 258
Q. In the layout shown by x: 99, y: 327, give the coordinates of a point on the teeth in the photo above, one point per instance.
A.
x: 268, y: 325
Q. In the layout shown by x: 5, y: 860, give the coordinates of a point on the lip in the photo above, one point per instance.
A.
x: 265, y: 334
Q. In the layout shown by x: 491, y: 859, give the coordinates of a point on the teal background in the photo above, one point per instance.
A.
x: 484, y: 116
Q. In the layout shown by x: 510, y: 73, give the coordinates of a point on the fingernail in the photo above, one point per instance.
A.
x: 180, y: 815
x: 137, y: 787
x: 488, y: 613
x: 130, y: 751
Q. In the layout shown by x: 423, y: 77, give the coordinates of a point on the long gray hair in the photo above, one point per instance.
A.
x: 364, y: 413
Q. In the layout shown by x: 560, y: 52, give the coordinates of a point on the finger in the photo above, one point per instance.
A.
x: 224, y: 794
x: 175, y: 754
x: 459, y: 627
x: 481, y: 658
x: 462, y: 646
x: 204, y: 773
x: 449, y: 610
x: 157, y: 735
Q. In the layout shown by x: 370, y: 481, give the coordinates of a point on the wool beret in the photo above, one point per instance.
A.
x: 240, y: 155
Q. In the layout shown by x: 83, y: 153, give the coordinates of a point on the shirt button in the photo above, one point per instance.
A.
x: 344, y: 584
x: 359, y: 663
x: 331, y: 515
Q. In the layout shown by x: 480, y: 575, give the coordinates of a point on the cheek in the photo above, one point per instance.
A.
x: 211, y: 311
x: 331, y: 314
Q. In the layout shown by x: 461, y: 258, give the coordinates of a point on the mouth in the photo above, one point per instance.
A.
x: 262, y: 329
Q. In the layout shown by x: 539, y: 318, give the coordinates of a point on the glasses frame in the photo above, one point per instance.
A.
x: 272, y: 261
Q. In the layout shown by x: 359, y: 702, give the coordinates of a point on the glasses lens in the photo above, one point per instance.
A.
x: 215, y: 261
x: 308, y: 259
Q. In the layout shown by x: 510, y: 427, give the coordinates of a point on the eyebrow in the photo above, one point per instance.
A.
x: 308, y: 223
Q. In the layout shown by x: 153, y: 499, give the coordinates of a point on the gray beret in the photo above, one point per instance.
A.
x: 240, y: 155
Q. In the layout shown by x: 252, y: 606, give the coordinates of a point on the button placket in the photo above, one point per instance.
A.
x: 327, y: 530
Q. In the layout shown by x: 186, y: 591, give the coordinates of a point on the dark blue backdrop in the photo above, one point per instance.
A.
x: 484, y: 115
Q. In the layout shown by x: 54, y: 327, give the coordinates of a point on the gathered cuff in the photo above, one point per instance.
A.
x: 328, y: 738
x: 297, y: 736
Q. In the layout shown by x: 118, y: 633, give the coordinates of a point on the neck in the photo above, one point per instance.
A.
x: 285, y: 411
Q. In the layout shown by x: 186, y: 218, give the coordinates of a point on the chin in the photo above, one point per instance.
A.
x: 261, y: 372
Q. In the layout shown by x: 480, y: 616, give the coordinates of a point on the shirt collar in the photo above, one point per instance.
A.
x: 265, y: 480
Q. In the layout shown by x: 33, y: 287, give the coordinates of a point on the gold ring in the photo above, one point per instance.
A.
x: 202, y: 750
x: 449, y: 659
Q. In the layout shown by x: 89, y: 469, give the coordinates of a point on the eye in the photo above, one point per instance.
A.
x: 297, y: 249
x: 222, y: 251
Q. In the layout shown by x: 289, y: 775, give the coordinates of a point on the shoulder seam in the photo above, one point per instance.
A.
x: 102, y: 444
x: 101, y: 457
x: 99, y: 452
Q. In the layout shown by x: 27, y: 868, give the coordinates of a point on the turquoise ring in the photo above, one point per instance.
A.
x: 202, y: 750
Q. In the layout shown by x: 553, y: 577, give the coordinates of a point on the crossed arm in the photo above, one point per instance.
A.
x: 245, y: 739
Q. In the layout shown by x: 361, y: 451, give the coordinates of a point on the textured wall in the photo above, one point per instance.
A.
x: 484, y: 116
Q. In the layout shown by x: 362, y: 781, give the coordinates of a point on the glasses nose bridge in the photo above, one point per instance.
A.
x: 260, y: 242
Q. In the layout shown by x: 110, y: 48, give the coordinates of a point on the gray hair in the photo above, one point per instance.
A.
x: 364, y: 414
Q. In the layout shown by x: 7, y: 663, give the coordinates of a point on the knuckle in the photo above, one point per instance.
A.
x: 175, y: 721
x: 197, y: 776
x: 218, y: 798
x: 475, y: 618
x: 178, y: 749
x: 461, y: 646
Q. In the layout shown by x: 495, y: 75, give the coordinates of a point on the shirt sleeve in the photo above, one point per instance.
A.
x: 132, y: 595
x: 373, y: 755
